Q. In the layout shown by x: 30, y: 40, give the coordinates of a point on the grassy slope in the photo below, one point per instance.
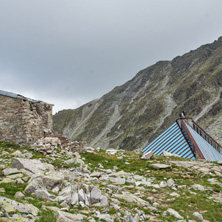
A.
x: 186, y: 204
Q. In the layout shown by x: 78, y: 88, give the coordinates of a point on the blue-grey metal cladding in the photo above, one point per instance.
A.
x: 13, y: 95
x: 208, y: 151
x: 171, y: 140
x: 9, y: 94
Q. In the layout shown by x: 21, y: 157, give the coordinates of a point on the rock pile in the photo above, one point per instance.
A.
x: 48, y: 144
x: 101, y: 186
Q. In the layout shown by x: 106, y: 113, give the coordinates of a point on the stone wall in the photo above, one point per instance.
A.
x: 24, y: 122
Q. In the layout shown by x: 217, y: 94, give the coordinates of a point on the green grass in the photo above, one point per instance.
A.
x: 61, y: 164
x: 185, y: 205
x: 189, y: 203
x: 11, y: 188
x: 112, y: 211
x: 47, y: 216
x: 9, y: 145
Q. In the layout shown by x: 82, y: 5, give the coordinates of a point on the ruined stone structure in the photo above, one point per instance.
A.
x: 23, y: 120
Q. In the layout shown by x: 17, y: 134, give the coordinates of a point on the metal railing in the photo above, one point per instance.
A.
x: 206, y: 136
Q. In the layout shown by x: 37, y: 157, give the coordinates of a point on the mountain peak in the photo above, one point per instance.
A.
x: 131, y: 115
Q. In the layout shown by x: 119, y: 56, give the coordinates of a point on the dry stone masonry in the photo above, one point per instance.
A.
x: 23, y: 120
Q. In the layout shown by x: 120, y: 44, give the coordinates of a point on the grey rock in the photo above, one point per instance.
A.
x: 64, y: 204
x: 75, y: 161
x: 52, y: 180
x: 128, y: 97
x: 105, y: 217
x: 82, y: 196
x: 170, y: 182
x: 174, y: 213
x: 204, y: 170
x: 75, y: 198
x: 28, y: 155
x: 66, y: 191
x: 2, y: 190
x: 109, y: 171
x: 120, y: 174
x: 15, y: 176
x: 154, y: 209
x: 19, y: 195
x: 118, y: 180
x: 19, y: 181
x: 163, y: 184
x: 130, y: 198
x: 68, y: 217
x: 198, y: 187
x: 17, y: 153
x: 95, y: 195
x: 35, y: 166
x: 45, y: 195
x: 35, y: 184
x: 111, y: 151
x: 159, y: 166
x: 165, y: 153
x: 5, y: 153
x: 104, y: 201
x: 12, y: 206
x: 24, y: 218
x: 55, y: 190
x: 2, y: 167
x: 129, y: 218
x: 198, y: 215
x: 174, y: 194
x: 96, y: 174
x: 44, y: 182
x: 151, y: 199
x: 147, y: 156
x: 9, y: 171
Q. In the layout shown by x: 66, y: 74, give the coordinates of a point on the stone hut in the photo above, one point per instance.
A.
x: 24, y: 120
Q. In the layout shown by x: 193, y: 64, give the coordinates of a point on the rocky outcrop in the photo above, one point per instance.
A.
x: 132, y: 115
x: 106, y: 185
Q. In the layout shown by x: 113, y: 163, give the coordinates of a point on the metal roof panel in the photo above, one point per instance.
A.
x: 171, y: 140
x: 208, y: 151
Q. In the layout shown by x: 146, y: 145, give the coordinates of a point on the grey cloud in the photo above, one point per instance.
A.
x: 75, y: 51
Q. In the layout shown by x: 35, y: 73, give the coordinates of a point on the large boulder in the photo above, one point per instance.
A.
x: 42, y: 182
x: 62, y: 216
x: 12, y: 206
x: 68, y: 217
x: 130, y: 198
x: 174, y: 213
x: 52, y: 180
x: 159, y: 166
x: 9, y: 171
x: 147, y: 156
x: 45, y: 195
x: 96, y: 195
x: 34, y: 166
x: 34, y: 184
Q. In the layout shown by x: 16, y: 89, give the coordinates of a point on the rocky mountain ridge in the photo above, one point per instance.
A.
x: 105, y: 185
x: 132, y: 115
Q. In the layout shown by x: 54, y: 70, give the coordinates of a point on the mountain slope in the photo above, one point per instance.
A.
x: 133, y: 114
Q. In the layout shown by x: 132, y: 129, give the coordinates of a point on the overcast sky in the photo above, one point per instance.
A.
x: 69, y: 52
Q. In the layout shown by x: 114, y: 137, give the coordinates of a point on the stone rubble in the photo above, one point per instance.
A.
x: 100, y: 193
